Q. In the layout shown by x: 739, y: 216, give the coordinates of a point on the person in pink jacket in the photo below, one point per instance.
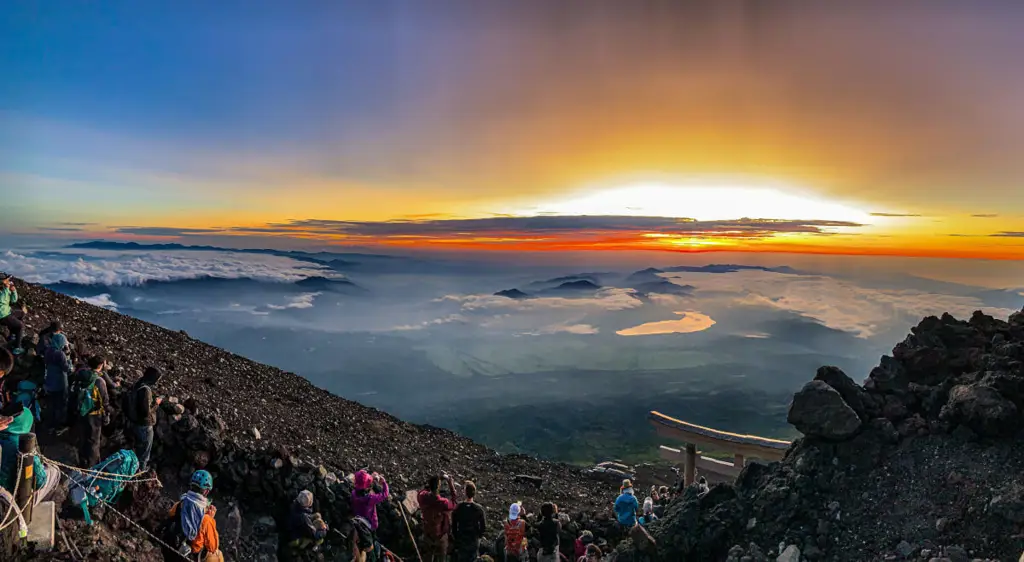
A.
x: 365, y: 499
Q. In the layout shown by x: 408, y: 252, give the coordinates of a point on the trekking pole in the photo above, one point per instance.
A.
x: 401, y: 507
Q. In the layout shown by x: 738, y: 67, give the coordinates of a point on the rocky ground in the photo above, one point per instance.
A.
x: 922, y: 462
x: 265, y: 433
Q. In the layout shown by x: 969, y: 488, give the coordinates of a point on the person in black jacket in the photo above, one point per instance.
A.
x: 469, y: 524
x: 549, y: 530
x: 141, y: 413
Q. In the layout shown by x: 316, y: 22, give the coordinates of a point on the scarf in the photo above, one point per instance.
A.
x: 193, y: 508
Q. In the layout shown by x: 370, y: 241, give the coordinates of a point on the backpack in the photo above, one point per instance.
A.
x: 84, y: 395
x: 515, y: 535
x: 131, y: 403
x: 27, y: 392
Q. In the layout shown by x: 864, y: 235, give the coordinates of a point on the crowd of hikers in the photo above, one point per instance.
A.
x: 51, y: 386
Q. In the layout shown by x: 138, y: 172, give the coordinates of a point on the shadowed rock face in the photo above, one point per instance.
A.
x: 925, y: 456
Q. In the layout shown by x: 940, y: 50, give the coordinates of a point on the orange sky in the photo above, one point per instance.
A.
x: 847, y: 112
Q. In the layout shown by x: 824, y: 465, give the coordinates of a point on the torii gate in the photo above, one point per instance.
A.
x: 741, y: 446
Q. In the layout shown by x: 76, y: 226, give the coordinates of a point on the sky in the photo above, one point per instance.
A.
x: 867, y: 128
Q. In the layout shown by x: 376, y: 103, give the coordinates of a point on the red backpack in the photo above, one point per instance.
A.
x: 514, y: 535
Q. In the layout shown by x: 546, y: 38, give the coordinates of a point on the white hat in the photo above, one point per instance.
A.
x: 513, y: 511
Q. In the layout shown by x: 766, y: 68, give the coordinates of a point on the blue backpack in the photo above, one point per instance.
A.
x: 27, y: 392
x: 87, y: 490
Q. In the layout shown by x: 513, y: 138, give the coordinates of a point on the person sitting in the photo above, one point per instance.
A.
x: 648, y: 516
x: 592, y: 554
x: 193, y: 525
x: 16, y: 420
x: 306, y: 529
x: 626, y: 506
x: 585, y: 539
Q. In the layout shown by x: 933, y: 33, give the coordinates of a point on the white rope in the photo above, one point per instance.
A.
x: 126, y: 518
x: 8, y: 520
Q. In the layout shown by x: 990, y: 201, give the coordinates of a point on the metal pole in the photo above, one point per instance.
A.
x: 690, y: 473
x: 26, y: 472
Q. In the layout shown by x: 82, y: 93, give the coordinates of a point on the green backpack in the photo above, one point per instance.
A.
x: 85, y: 396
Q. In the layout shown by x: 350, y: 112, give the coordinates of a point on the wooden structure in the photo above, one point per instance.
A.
x: 742, y: 447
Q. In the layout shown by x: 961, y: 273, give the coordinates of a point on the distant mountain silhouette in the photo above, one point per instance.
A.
x: 318, y: 283
x: 663, y: 287
x: 729, y: 268
x: 512, y: 294
x: 593, y: 277
x: 329, y: 259
x: 649, y: 275
x: 576, y: 286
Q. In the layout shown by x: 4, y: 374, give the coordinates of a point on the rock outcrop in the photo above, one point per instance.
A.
x: 921, y: 462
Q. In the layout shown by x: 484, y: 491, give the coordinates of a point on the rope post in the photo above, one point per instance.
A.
x: 26, y: 472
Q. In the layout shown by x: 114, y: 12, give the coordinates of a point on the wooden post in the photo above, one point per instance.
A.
x: 690, y: 473
x: 738, y: 461
x: 26, y: 472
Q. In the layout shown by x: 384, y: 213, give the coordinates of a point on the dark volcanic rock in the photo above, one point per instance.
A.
x: 983, y: 409
x: 818, y: 410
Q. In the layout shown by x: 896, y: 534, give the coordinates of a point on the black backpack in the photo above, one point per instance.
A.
x: 130, y: 403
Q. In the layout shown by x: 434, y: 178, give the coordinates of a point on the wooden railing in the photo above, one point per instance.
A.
x: 739, y: 445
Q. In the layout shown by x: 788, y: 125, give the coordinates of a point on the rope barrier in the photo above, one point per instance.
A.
x: 8, y: 520
x: 401, y: 507
x: 126, y: 518
x: 100, y: 475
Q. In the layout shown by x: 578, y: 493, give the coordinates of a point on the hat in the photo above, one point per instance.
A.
x: 587, y: 537
x: 362, y: 480
x: 513, y: 511
x: 58, y: 341
x: 305, y: 498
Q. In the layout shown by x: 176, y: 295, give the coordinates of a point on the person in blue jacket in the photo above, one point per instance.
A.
x: 626, y: 506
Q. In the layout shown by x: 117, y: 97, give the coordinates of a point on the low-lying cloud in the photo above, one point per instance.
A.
x: 304, y: 300
x: 135, y: 268
x: 102, y: 301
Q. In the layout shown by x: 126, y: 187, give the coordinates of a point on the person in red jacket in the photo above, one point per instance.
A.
x: 437, y: 522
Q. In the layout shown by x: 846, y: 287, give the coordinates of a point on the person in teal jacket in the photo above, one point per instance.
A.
x: 10, y: 318
x: 626, y: 505
x: 10, y: 438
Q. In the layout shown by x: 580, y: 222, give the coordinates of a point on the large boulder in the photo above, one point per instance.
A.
x: 818, y: 410
x: 851, y: 392
x: 981, y: 408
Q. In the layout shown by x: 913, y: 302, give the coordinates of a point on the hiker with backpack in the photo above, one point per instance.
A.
x: 89, y: 401
x: 469, y: 525
x: 57, y: 358
x: 514, y: 532
x: 549, y: 529
x: 306, y: 530
x: 648, y: 517
x: 436, y: 518
x: 368, y: 492
x: 140, y: 407
x: 20, y: 423
x: 585, y: 539
x: 9, y: 317
x: 191, y: 527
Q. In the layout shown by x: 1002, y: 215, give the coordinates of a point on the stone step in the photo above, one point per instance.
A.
x: 42, y: 528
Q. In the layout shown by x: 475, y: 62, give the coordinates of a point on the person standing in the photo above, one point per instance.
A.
x: 368, y: 492
x: 140, y: 409
x: 515, y: 535
x: 436, y: 518
x: 9, y: 317
x: 469, y: 525
x: 89, y: 390
x: 550, y: 530
x: 57, y: 359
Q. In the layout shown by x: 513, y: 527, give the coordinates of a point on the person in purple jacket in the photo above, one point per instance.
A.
x: 370, y: 490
